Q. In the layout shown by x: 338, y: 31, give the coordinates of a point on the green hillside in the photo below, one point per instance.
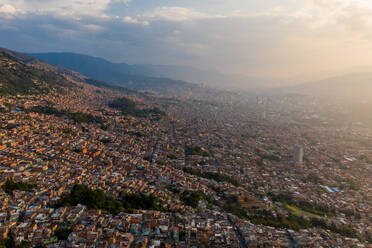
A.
x: 18, y: 78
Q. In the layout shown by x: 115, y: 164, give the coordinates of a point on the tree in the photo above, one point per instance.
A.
x: 10, y: 242
x: 62, y: 233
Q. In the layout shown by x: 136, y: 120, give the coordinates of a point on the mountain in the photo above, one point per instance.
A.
x: 148, y: 75
x: 24, y: 74
x: 121, y: 72
x: 185, y: 73
x: 134, y: 77
x: 350, y: 87
x: 17, y: 77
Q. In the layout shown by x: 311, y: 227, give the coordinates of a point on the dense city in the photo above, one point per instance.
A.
x: 91, y: 166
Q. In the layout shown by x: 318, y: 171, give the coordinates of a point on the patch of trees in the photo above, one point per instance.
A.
x: 78, y: 117
x: 196, y: 150
x: 62, y: 233
x: 232, y: 206
x: 97, y: 199
x: 347, y: 231
x: 265, y: 217
x: 140, y: 201
x: 171, y: 156
x: 161, y: 162
x: 192, y: 198
x: 67, y: 130
x: 10, y: 186
x: 303, y: 205
x: 352, y: 184
x: 269, y: 156
x: 4, y: 110
x: 312, y: 177
x: 147, y: 158
x: 129, y: 107
x: 135, y: 133
x: 47, y: 110
x: 172, y: 189
x: 213, y: 176
x: 10, y: 242
x: 269, y: 218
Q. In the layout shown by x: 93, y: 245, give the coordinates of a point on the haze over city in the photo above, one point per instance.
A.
x: 308, y: 39
x: 185, y: 123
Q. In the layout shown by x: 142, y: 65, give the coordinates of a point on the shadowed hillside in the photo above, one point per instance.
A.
x: 18, y: 78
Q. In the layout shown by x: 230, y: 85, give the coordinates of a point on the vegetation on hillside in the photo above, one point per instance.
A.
x: 192, y: 198
x: 78, y: 117
x: 10, y: 186
x: 62, y: 233
x: 129, y: 107
x: 269, y: 155
x: 10, y: 242
x: 196, y: 150
x: 213, y: 176
x: 97, y: 199
x: 303, y: 205
x: 18, y: 78
x: 291, y: 221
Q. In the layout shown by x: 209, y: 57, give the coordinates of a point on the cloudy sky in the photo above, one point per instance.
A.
x: 271, y: 38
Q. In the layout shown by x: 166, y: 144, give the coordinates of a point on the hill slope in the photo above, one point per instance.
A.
x: 18, y: 78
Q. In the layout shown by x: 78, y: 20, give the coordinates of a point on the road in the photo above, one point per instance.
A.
x: 242, y: 243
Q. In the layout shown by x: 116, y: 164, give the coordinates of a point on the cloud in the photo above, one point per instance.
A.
x: 8, y: 11
x: 131, y: 20
x: 121, y: 1
x: 92, y: 27
x: 321, y: 34
x: 175, y: 14
x: 62, y: 7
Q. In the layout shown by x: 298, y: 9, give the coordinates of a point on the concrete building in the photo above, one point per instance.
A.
x: 298, y: 156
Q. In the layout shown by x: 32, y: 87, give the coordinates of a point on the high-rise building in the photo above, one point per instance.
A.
x: 298, y: 154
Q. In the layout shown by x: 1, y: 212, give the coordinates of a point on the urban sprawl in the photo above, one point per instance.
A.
x: 218, y: 170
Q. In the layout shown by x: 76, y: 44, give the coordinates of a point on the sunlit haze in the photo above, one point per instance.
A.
x: 271, y: 38
x: 185, y: 123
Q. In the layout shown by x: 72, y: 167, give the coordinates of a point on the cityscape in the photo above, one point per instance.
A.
x: 185, y: 124
x: 271, y: 173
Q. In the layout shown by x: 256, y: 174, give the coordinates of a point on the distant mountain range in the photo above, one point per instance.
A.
x: 173, y: 80
x: 137, y: 77
x: 354, y: 86
x: 22, y: 73
x: 125, y: 74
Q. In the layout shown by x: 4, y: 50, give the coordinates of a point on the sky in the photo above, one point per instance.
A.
x: 264, y: 38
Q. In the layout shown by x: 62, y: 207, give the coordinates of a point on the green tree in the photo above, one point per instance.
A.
x: 62, y: 233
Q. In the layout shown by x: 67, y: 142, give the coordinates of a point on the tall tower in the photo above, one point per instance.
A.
x: 298, y: 157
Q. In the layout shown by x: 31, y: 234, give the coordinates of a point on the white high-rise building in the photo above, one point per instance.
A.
x: 298, y: 157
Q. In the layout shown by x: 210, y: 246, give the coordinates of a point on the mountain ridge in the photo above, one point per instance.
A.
x: 120, y: 74
x: 353, y: 86
x: 103, y: 69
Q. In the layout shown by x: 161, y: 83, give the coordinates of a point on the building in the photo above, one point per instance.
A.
x: 298, y: 154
